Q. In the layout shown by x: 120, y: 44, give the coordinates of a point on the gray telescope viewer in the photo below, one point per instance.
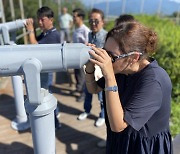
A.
x: 7, y: 27
x: 21, y: 121
x: 30, y: 61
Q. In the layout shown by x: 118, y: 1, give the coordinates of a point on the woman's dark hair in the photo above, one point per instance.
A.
x: 45, y: 12
x: 94, y: 10
x: 80, y: 13
x: 133, y: 36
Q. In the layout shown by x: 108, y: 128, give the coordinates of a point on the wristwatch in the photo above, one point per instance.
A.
x: 113, y: 88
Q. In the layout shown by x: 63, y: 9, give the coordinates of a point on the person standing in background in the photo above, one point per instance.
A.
x: 49, y: 35
x: 123, y: 18
x: 65, y: 23
x: 96, y: 37
x: 80, y: 35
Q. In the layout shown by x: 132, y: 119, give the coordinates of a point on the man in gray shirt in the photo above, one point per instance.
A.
x: 97, y: 37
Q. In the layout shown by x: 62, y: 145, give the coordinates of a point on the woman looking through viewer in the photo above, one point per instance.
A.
x: 136, y: 91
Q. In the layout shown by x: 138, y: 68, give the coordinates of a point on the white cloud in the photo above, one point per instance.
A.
x: 177, y: 1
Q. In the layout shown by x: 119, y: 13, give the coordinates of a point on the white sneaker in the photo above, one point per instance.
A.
x: 83, y: 116
x: 99, y: 122
x: 58, y: 115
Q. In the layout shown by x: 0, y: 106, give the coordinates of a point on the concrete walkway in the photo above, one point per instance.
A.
x: 75, y: 137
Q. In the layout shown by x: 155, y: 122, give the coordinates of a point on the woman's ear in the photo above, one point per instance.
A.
x: 136, y: 57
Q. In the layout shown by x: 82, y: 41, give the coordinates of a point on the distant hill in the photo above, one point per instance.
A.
x: 133, y: 6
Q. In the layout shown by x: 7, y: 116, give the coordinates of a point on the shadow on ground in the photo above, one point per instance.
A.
x: 78, y: 142
x: 15, y: 148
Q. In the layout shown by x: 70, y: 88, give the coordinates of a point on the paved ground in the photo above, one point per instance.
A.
x: 75, y: 137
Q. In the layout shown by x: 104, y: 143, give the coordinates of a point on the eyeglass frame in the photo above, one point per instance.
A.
x: 94, y: 21
x: 115, y: 58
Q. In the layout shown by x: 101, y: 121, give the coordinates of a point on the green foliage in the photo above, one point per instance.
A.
x: 168, y: 56
x: 109, y: 25
x: 175, y: 14
x: 175, y: 116
x: 168, y: 53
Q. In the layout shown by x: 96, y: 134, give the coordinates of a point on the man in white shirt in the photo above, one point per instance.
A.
x: 80, y: 35
x: 65, y: 23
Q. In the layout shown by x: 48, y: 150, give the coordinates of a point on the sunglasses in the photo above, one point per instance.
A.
x: 115, y: 58
x: 93, y: 21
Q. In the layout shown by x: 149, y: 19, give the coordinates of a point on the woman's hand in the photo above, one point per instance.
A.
x: 90, y: 66
x: 103, y: 60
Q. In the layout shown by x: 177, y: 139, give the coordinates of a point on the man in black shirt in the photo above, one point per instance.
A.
x: 49, y: 35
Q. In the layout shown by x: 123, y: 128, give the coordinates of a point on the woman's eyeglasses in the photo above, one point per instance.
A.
x: 115, y: 58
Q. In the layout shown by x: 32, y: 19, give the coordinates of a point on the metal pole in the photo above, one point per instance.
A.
x: 13, y: 34
x: 123, y: 6
x: 59, y: 7
x: 107, y: 8
x: 22, y: 17
x: 2, y: 11
x: 142, y: 6
x: 40, y: 3
x: 42, y: 123
x: 12, y: 9
x: 159, y: 8
x: 1, y: 40
x: 21, y: 121
x: 92, y: 4
x: 178, y: 15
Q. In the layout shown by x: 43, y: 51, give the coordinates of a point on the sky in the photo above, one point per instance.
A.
x: 167, y: 6
x: 99, y: 1
x: 87, y: 2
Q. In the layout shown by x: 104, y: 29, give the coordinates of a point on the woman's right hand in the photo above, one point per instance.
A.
x: 90, y: 66
x: 103, y: 60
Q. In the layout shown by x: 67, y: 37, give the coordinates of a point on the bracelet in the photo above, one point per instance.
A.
x: 89, y: 72
x: 90, y: 82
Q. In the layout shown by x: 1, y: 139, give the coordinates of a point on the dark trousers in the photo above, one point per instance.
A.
x: 80, y: 79
x: 88, y: 102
